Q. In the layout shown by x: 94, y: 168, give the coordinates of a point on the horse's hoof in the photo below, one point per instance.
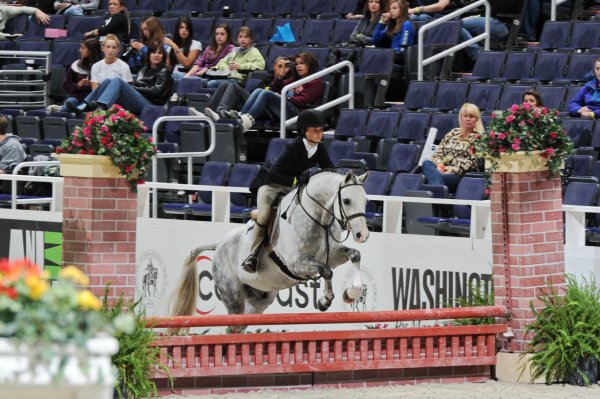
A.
x: 322, y: 307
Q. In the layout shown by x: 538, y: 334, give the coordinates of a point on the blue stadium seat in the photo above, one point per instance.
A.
x: 317, y: 31
x: 580, y: 130
x: 420, y: 94
x: 351, y: 123
x: 413, y: 126
x: 403, y: 157
x: 585, y: 35
x: 485, y: 95
x: 339, y: 150
x: 488, y: 65
x: 382, y: 124
x: 342, y: 30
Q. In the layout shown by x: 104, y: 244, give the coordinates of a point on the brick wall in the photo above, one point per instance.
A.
x: 99, y: 232
x: 330, y: 380
x: 527, y: 239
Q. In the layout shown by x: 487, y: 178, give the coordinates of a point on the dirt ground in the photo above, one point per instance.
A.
x: 488, y: 390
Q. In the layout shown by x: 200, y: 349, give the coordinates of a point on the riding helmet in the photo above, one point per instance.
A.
x: 310, y: 118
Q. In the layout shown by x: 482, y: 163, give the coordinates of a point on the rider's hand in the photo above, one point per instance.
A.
x: 303, y: 179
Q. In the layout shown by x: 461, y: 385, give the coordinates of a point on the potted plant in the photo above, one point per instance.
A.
x: 566, y: 334
x: 53, y: 336
x: 523, y: 132
x: 137, y: 359
x: 114, y: 133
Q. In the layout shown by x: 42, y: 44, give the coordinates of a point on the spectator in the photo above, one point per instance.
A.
x: 233, y: 96
x: 77, y: 82
x: 395, y: 29
x: 587, y: 101
x: 453, y: 158
x: 533, y: 98
x: 75, y: 7
x: 360, y: 6
x: 151, y: 31
x: 475, y: 25
x: 117, y: 22
x: 110, y: 67
x: 241, y: 60
x: 182, y: 49
x: 11, y: 150
x: 424, y: 10
x: 220, y: 46
x: 363, y: 33
x: 153, y: 85
x: 9, y: 12
x: 267, y: 103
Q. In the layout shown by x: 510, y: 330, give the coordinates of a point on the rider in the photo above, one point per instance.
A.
x: 291, y: 165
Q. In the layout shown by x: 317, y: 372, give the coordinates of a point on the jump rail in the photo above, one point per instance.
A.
x: 325, y: 351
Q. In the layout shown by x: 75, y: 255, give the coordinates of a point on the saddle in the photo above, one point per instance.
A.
x: 272, y: 224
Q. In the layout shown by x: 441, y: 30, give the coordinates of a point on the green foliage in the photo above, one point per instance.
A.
x: 116, y: 133
x: 525, y: 128
x: 566, y: 331
x: 478, y: 295
x: 137, y: 358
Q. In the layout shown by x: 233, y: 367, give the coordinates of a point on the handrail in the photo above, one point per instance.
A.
x: 485, y: 35
x: 45, y: 72
x: 188, y: 155
x: 553, y: 4
x: 326, y: 318
x: 346, y: 97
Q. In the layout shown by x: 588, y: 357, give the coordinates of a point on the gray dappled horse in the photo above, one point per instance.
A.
x: 307, y: 241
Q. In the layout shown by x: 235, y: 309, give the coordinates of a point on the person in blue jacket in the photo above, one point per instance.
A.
x: 587, y: 101
x: 395, y: 29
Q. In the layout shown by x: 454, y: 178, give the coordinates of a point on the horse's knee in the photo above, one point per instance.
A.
x: 354, y: 256
x: 327, y: 273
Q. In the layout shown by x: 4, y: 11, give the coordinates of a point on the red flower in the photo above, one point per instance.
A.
x: 549, y: 151
x: 91, y: 152
x: 553, y: 135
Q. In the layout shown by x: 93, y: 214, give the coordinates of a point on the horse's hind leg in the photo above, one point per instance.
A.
x: 258, y: 301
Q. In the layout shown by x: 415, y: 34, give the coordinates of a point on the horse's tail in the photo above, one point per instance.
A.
x: 185, y: 295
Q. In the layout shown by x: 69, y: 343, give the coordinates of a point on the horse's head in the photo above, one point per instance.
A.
x: 351, y: 204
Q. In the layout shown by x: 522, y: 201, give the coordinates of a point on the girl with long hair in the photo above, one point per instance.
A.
x: 183, y: 50
x: 221, y: 45
x: 395, y: 29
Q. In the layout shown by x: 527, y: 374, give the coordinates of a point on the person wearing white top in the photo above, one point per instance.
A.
x: 183, y: 50
x: 109, y: 67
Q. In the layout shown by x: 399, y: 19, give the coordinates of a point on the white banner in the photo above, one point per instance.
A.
x: 398, y: 271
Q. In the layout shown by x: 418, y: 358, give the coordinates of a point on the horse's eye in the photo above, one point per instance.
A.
x: 346, y: 201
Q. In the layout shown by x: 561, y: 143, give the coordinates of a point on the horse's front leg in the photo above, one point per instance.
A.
x: 308, y: 266
x: 340, y: 256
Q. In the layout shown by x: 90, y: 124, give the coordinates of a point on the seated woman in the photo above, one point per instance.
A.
x: 183, y: 50
x: 587, y: 101
x: 77, y: 84
x: 220, y: 46
x: 264, y: 102
x: 109, y: 67
x: 117, y: 23
x: 533, y: 98
x: 240, y: 61
x: 363, y: 32
x: 233, y: 96
x: 152, y: 86
x: 151, y: 31
x: 395, y: 29
x: 453, y: 157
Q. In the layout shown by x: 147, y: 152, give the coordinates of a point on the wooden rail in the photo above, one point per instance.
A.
x: 324, y: 351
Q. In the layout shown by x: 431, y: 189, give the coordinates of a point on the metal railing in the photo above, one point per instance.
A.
x: 189, y: 155
x: 485, y: 35
x: 553, y: 4
x: 346, y: 97
x: 16, y: 92
x: 55, y: 200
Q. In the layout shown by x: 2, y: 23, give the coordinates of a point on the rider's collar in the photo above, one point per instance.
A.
x: 310, y: 148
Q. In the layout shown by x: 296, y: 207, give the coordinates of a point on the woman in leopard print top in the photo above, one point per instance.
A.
x: 453, y: 157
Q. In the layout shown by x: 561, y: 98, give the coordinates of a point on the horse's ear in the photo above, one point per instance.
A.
x: 349, y: 176
x: 361, y: 179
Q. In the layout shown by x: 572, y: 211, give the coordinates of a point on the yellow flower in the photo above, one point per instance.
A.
x: 88, y: 301
x: 37, y: 287
x: 75, y: 275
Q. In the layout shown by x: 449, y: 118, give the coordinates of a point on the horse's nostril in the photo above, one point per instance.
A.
x: 358, y: 235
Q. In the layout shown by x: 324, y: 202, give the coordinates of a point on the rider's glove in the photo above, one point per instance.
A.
x: 303, y: 179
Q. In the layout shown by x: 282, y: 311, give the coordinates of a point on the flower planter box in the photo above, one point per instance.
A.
x: 520, y: 162
x: 94, y: 166
x: 86, y: 374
